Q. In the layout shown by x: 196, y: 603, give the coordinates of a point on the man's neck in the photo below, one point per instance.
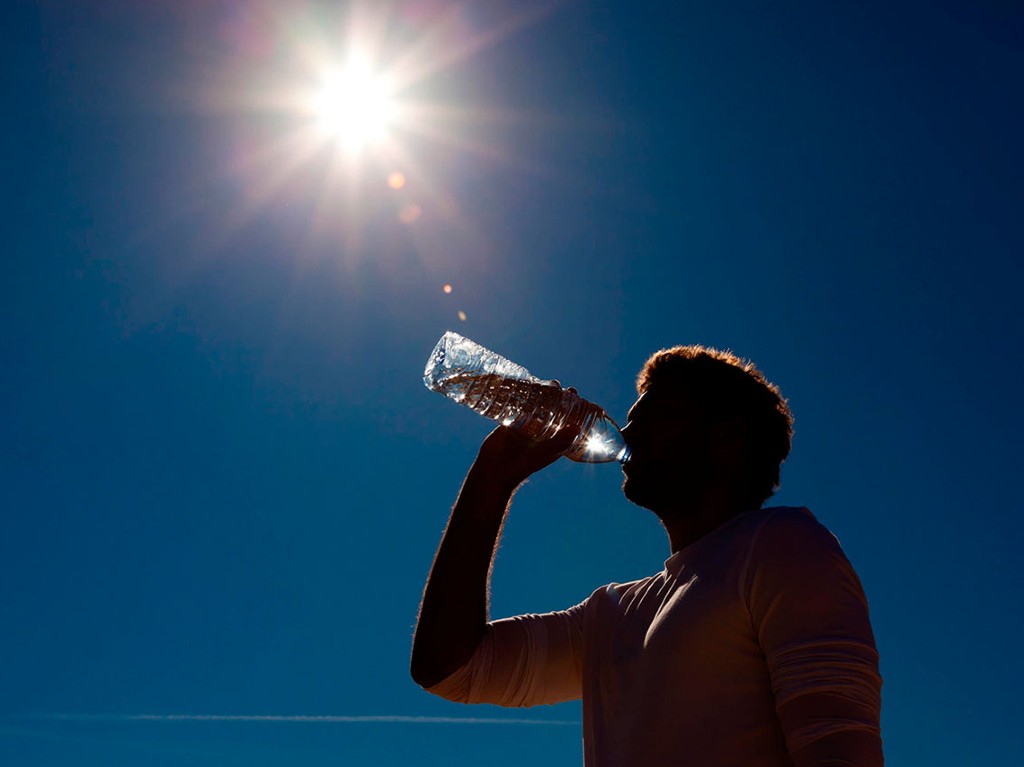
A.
x: 689, y: 524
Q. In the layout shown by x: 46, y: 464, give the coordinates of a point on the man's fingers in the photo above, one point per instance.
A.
x: 556, y: 382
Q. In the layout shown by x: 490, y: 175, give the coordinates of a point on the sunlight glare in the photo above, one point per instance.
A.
x: 354, y: 104
x: 335, y: 96
x: 594, y: 444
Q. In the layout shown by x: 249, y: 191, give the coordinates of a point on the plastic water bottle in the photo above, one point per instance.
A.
x: 505, y: 392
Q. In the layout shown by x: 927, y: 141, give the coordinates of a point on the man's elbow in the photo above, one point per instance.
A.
x: 424, y: 677
x: 435, y: 678
x: 452, y: 687
x: 436, y: 658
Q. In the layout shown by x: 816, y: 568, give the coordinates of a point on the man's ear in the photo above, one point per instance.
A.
x: 728, y: 440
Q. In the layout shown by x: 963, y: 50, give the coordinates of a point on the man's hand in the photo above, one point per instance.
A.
x: 508, y: 458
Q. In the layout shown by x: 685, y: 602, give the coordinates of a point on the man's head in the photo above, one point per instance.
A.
x: 705, y: 416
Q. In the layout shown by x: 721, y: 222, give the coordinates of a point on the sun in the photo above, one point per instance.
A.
x: 332, y: 98
x: 354, y: 104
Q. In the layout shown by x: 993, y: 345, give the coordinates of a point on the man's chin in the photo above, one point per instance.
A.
x: 633, y: 492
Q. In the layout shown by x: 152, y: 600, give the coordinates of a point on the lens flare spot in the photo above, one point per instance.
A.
x: 447, y: 288
x: 396, y: 180
x: 462, y: 316
x: 410, y: 213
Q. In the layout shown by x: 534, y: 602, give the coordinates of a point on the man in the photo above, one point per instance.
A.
x: 752, y: 647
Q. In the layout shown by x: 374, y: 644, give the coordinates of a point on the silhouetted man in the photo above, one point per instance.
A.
x: 751, y: 647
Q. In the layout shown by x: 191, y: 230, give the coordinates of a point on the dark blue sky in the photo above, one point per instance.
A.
x: 222, y: 480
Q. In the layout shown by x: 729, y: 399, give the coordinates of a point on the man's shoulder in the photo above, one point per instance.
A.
x: 791, y: 537
x: 614, y: 593
x: 787, y: 514
x: 776, y: 523
x: 749, y: 530
x: 790, y: 520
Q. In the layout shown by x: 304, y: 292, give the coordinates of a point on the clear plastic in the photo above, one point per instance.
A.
x: 505, y: 392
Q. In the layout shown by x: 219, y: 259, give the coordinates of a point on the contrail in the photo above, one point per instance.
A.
x: 326, y: 719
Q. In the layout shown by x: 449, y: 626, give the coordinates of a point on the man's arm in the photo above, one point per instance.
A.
x: 843, y: 748
x: 812, y: 621
x: 453, y: 615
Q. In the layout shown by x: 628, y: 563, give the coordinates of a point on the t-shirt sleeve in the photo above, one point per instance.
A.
x: 811, y: 617
x: 527, y: 660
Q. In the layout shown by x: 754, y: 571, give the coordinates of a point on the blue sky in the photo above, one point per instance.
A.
x: 223, y: 481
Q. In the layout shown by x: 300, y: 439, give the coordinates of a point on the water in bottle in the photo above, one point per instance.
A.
x: 506, y: 392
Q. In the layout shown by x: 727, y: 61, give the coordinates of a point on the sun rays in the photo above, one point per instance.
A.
x: 329, y: 107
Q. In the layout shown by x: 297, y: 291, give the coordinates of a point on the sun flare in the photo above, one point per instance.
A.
x: 332, y: 100
x: 354, y: 104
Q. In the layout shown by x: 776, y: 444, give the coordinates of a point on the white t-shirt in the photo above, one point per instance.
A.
x: 708, y: 663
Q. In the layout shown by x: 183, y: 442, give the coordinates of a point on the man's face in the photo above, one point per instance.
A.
x: 668, y: 461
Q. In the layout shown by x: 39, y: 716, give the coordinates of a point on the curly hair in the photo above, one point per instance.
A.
x: 726, y: 386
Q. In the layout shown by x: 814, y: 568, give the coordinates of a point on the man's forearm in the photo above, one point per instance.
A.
x: 453, y: 615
